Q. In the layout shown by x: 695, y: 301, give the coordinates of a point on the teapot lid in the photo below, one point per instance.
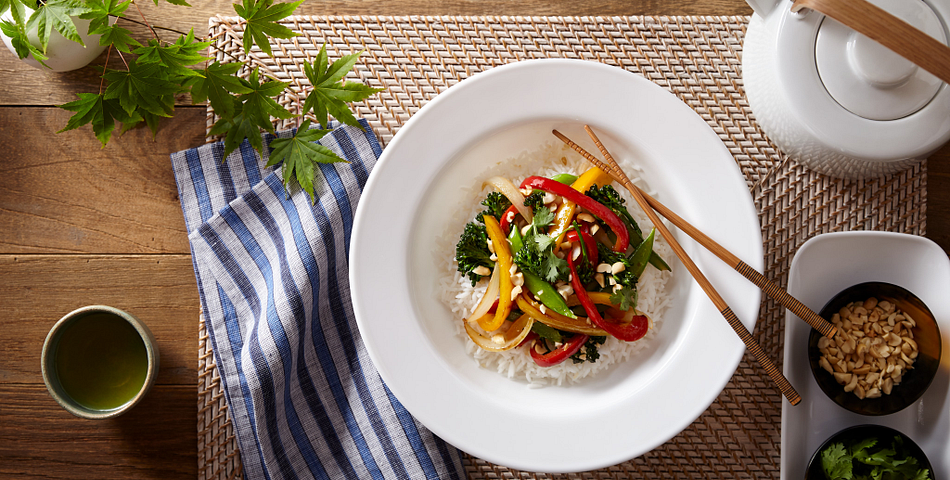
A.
x: 870, y: 80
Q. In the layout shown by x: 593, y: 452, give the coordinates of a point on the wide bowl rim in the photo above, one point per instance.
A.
x: 746, y: 297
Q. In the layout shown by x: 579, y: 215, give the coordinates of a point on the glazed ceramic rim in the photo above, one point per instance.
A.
x: 56, y: 389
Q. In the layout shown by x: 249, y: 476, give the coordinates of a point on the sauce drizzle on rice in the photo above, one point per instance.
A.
x: 648, y: 291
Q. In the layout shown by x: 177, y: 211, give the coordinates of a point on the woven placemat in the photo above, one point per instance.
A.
x: 696, y: 58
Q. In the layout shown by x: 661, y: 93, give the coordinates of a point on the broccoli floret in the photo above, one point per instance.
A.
x: 472, y: 251
x: 497, y: 204
x: 535, y: 200
x: 588, y: 352
x: 609, y: 198
x: 610, y: 257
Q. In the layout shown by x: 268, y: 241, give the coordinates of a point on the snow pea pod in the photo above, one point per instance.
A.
x: 641, y: 256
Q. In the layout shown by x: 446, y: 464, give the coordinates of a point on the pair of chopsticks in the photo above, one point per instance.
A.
x: 649, y: 204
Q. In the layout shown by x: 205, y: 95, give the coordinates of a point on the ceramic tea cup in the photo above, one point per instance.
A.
x: 98, y: 361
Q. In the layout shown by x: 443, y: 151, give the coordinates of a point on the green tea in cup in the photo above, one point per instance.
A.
x: 99, y: 361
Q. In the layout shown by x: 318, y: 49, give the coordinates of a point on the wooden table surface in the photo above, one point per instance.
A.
x: 82, y: 225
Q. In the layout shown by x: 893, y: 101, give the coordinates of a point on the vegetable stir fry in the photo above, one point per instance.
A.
x: 562, y: 257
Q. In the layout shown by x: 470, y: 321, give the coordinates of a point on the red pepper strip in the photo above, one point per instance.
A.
x: 561, y: 353
x: 629, y: 332
x: 504, y: 218
x: 589, y: 204
x: 589, y: 244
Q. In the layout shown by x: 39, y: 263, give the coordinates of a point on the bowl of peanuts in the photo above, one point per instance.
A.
x: 885, y: 353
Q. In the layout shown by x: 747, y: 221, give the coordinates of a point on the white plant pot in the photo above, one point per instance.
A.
x: 64, y: 55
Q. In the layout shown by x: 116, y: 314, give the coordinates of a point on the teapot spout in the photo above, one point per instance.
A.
x: 763, y: 8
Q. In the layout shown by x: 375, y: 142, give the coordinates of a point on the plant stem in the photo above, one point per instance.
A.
x: 157, y: 27
x: 146, y: 21
x: 104, y: 67
x: 123, y: 59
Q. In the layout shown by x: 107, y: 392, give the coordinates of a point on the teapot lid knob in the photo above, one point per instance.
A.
x: 868, y: 79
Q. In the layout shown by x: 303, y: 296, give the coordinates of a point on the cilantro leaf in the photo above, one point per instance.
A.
x: 100, y: 111
x: 175, y: 57
x: 542, y: 218
x: 262, y: 17
x: 144, y: 87
x: 56, y: 14
x: 836, y: 462
x: 330, y: 94
x: 542, y: 241
x: 625, y: 298
x: 21, y: 43
x: 215, y: 84
x: 300, y: 155
x: 553, y: 268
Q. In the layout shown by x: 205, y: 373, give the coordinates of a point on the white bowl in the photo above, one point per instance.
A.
x: 411, y: 336
x: 826, y: 265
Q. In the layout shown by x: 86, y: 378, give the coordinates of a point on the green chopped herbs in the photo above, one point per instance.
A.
x: 869, y: 460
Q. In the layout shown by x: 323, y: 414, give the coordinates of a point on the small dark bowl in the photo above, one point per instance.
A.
x: 860, y: 432
x: 914, y: 383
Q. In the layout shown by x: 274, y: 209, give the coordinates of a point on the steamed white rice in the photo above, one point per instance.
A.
x: 461, y: 297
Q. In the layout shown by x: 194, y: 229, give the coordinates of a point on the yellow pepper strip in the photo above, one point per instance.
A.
x: 556, y: 320
x: 500, y: 244
x: 565, y: 214
x: 501, y: 342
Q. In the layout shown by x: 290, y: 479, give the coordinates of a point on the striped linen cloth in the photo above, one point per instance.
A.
x: 304, y: 397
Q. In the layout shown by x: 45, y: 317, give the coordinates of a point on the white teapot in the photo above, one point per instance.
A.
x: 839, y: 102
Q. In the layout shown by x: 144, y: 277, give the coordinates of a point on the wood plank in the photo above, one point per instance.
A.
x: 37, y: 290
x: 25, y: 85
x: 156, y: 439
x: 938, y: 197
x: 63, y: 193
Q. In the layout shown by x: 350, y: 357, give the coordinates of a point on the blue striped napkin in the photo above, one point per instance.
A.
x: 304, y: 397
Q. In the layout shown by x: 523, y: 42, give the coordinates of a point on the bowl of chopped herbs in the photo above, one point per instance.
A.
x: 869, y: 452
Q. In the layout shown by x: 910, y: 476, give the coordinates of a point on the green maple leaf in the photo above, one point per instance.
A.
x: 182, y: 3
x: 330, y: 94
x: 300, y: 155
x: 118, y: 37
x: 56, y: 14
x: 21, y: 43
x: 259, y: 107
x: 236, y: 129
x: 262, y: 17
x: 216, y: 84
x: 101, y: 112
x: 98, y: 16
x: 100, y: 10
x: 175, y: 57
x: 18, y: 9
x: 252, y: 112
x: 144, y: 87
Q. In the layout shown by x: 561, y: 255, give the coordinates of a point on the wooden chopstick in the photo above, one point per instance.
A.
x: 823, y: 326
x: 611, y: 167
